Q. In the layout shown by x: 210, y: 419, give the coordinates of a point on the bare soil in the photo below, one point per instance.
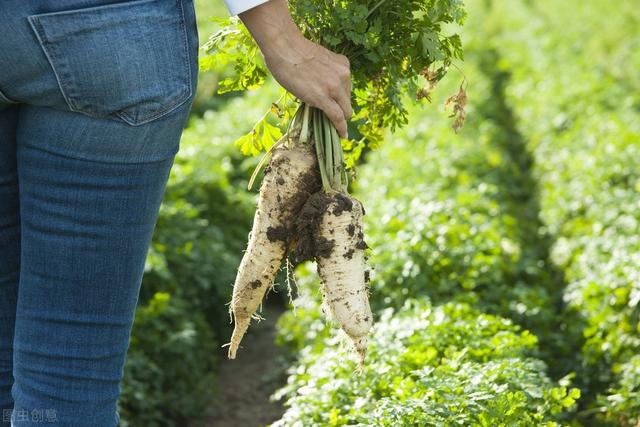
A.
x: 246, y: 383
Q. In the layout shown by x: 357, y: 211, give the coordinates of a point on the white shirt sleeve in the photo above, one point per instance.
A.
x: 238, y: 6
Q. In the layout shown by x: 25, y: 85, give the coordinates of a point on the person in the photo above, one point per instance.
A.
x: 94, y: 95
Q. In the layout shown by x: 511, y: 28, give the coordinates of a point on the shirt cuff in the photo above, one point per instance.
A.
x: 238, y: 6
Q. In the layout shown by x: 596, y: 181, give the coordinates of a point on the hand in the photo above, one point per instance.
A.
x: 316, y: 76
x: 313, y: 74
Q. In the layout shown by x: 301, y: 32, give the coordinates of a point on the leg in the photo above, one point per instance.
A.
x: 86, y: 227
x: 9, y: 254
x: 97, y: 129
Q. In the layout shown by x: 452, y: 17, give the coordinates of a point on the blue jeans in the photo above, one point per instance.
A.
x: 94, y: 95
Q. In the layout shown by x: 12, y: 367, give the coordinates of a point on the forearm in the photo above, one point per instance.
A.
x: 272, y: 27
x: 315, y: 75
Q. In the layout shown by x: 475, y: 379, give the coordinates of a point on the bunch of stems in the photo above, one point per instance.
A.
x: 317, y: 126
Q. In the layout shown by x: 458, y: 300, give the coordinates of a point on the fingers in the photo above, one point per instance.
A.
x: 333, y: 96
x: 340, y: 93
x: 343, y: 99
x: 335, y: 113
x: 342, y: 59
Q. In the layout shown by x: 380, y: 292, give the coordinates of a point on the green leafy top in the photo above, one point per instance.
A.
x: 393, y: 47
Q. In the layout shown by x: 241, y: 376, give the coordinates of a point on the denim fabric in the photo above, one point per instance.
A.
x: 94, y: 95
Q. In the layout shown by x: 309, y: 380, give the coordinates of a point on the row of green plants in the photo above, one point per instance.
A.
x: 460, y: 285
x: 428, y: 365
x: 530, y: 215
x: 497, y: 253
x: 575, y: 88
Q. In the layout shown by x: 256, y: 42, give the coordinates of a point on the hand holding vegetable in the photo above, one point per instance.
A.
x: 315, y: 75
x: 394, y: 51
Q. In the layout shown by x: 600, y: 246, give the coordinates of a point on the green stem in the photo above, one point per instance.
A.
x: 341, y: 171
x: 296, y: 118
x: 345, y: 175
x: 373, y: 9
x: 336, y: 149
x: 319, y: 142
x: 262, y: 162
x: 304, y: 132
x: 328, y: 150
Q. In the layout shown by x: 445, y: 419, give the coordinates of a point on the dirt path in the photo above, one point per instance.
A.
x: 246, y: 383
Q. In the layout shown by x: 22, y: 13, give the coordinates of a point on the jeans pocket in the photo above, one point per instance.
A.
x: 128, y: 60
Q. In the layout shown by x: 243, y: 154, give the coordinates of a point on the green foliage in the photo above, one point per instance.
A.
x: 392, y: 47
x: 455, y: 227
x: 389, y: 45
x: 574, y: 87
x: 530, y: 215
x: 206, y: 96
x: 451, y: 221
x: 205, y: 10
x: 457, y: 220
x: 234, y: 46
x: 622, y: 402
x: 429, y: 366
x: 158, y: 391
x: 264, y: 132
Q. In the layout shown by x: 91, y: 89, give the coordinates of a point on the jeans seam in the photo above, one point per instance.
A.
x: 34, y: 21
x: 185, y: 40
x: 102, y: 7
x: 74, y: 155
x: 6, y: 99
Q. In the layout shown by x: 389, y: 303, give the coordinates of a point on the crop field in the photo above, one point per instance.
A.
x: 505, y: 257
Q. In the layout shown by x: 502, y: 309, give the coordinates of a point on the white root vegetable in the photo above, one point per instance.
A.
x: 342, y: 268
x: 290, y: 178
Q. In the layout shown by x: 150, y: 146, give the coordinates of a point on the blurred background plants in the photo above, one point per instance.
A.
x: 506, y: 280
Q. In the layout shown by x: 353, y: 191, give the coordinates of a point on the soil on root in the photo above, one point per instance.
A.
x: 275, y: 234
x: 309, y: 245
x: 308, y: 184
x: 351, y: 229
x: 343, y: 203
x: 306, y: 224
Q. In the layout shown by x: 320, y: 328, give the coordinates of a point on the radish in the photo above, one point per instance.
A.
x: 342, y: 268
x: 394, y: 48
x: 324, y: 224
x: 289, y: 180
x: 339, y: 240
x: 329, y: 230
